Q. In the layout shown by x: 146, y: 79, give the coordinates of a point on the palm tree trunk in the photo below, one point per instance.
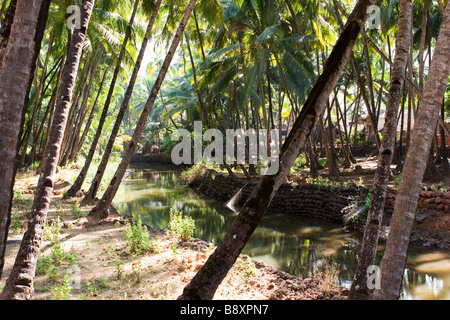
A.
x: 95, y: 184
x: 82, y: 175
x: 394, y: 259
x: 101, y: 209
x: 16, y: 76
x: 359, y: 289
x: 19, y: 285
x: 205, y: 282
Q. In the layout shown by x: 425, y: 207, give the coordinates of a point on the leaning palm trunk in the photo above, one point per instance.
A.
x: 359, y: 289
x: 101, y: 209
x: 19, y: 285
x: 16, y: 75
x: 83, y: 172
x: 394, y: 259
x: 205, y: 282
x: 95, y: 184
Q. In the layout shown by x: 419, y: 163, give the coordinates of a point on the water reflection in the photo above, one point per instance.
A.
x: 298, y: 245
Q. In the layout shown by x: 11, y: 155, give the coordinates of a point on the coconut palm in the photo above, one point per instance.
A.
x: 205, y: 282
x: 16, y: 75
x: 92, y: 192
x: 19, y: 284
x: 359, y: 289
x: 394, y: 259
x: 100, y: 211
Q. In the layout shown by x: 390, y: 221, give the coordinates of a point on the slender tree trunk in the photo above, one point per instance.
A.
x: 16, y: 76
x: 394, y: 259
x: 19, y: 285
x: 5, y: 29
x: 95, y: 184
x: 52, y: 104
x: 205, y: 282
x: 359, y: 289
x: 91, y: 115
x: 101, y: 209
x: 82, y: 175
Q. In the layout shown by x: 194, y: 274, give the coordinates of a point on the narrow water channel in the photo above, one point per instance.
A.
x: 298, y: 245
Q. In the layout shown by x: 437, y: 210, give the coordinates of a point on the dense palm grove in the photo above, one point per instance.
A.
x: 133, y: 72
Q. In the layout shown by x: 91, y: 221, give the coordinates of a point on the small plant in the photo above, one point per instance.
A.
x: 397, y: 180
x: 91, y: 290
x: 62, y: 292
x: 57, y: 254
x: 52, y: 231
x: 75, y: 209
x: 59, y: 209
x: 119, y: 269
x: 137, y: 236
x: 43, y: 265
x: 17, y: 223
x: 53, y: 274
x: 246, y: 268
x: 196, y: 171
x: 329, y: 277
x: 183, y: 227
x: 155, y: 246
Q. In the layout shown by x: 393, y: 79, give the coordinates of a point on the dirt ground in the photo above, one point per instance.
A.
x: 99, y: 265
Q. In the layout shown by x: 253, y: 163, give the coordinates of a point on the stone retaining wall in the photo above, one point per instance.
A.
x: 431, y: 225
x: 319, y: 201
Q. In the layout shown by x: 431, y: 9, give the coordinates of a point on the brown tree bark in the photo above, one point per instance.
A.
x: 16, y: 76
x: 19, y: 285
x: 205, y: 282
x: 95, y: 184
x: 101, y: 209
x: 394, y: 259
x: 359, y: 288
x: 82, y: 175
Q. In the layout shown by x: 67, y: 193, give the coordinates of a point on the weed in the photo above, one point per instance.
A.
x: 57, y: 254
x: 246, y: 268
x: 119, y: 268
x: 183, y: 227
x: 17, y: 223
x: 91, y: 290
x: 75, y: 209
x: 397, y: 180
x: 137, y: 236
x: 62, y: 292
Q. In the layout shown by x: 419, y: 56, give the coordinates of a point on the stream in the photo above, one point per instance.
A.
x: 295, y: 244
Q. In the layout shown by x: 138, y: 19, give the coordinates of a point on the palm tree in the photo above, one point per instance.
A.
x: 19, y: 285
x: 82, y: 175
x: 359, y: 288
x: 394, y: 259
x: 16, y: 75
x: 205, y: 282
x: 100, y: 211
x: 95, y: 184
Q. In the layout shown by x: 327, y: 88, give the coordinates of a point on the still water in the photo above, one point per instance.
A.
x: 298, y: 245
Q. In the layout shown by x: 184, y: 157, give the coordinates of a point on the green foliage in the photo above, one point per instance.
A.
x: 195, y: 171
x: 119, y: 268
x: 75, y: 209
x: 16, y: 221
x: 52, y: 231
x: 299, y: 163
x: 397, y: 180
x: 63, y: 291
x: 137, y: 236
x: 183, y: 227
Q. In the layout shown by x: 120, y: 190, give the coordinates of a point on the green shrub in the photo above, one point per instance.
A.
x: 138, y: 238
x: 183, y: 227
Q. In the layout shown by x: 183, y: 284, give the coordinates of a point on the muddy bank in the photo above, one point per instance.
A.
x: 431, y: 226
